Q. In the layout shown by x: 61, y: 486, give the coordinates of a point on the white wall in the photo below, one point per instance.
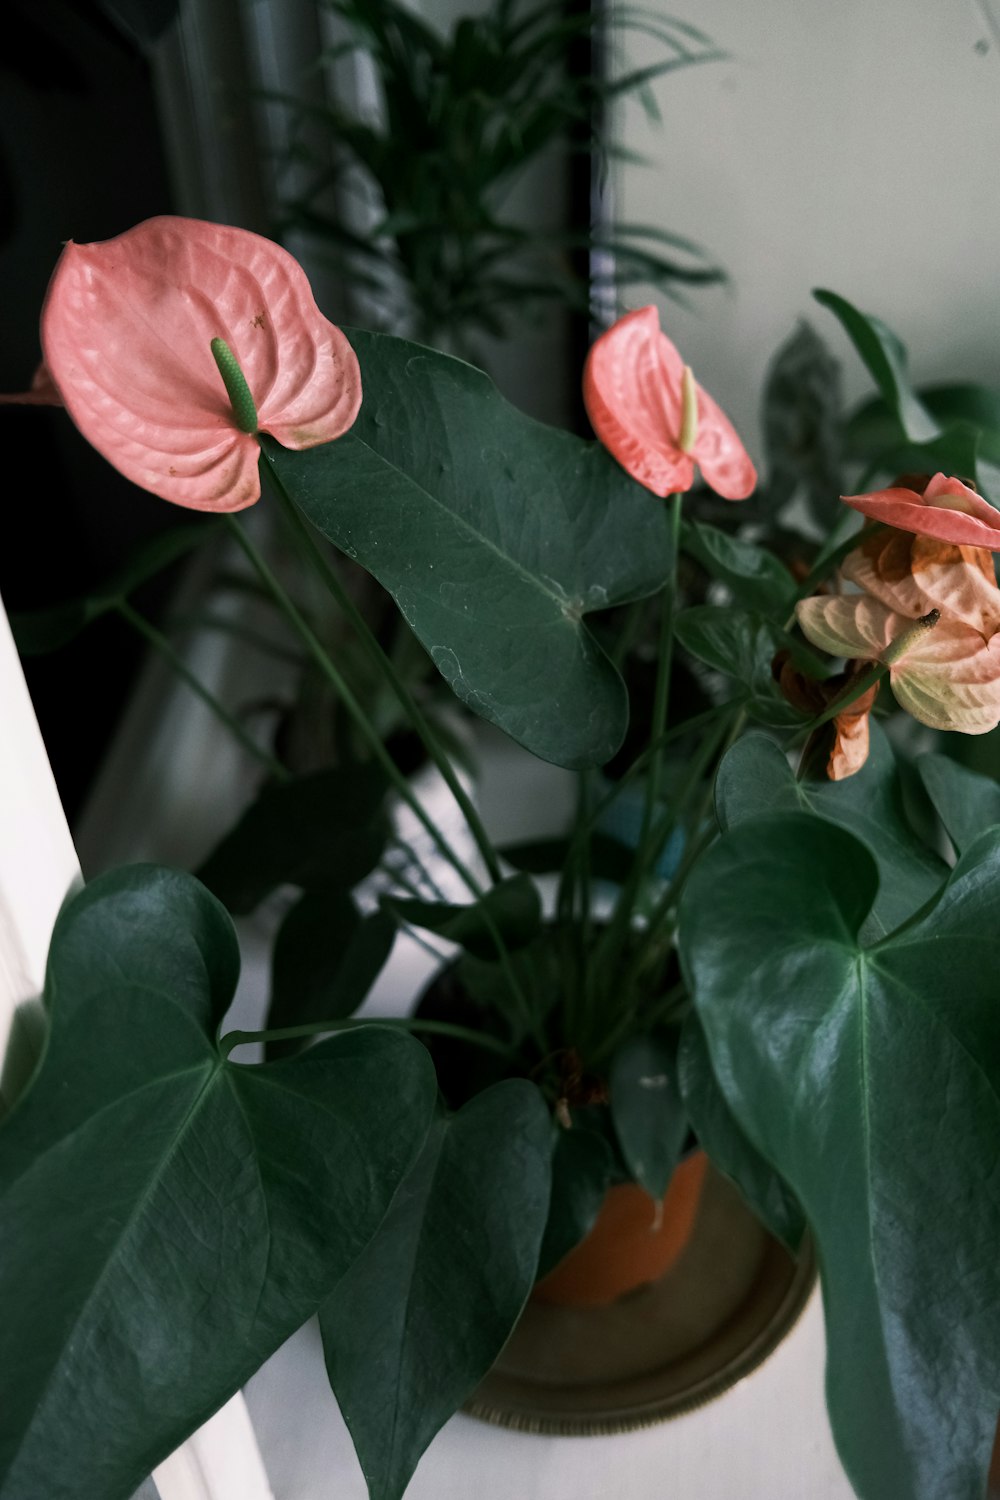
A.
x: 848, y: 143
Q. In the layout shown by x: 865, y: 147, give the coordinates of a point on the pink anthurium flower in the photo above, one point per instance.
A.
x: 947, y: 509
x: 634, y: 391
x: 127, y: 333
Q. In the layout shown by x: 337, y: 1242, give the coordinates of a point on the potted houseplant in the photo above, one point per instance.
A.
x: 787, y: 957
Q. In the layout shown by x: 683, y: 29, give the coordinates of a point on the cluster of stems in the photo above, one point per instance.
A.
x: 616, y: 977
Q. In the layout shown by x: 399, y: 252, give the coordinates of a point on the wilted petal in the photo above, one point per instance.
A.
x: 127, y: 329
x: 851, y: 739
x: 947, y: 509
x: 632, y: 392
x: 915, y: 574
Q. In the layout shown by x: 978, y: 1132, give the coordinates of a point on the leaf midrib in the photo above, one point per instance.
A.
x: 214, y: 1067
x: 562, y: 600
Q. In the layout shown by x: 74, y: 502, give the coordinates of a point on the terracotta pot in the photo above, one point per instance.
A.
x: 634, y: 1241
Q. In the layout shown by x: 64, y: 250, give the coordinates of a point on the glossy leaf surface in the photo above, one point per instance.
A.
x: 495, y: 535
x: 421, y: 1316
x: 966, y: 802
x: 320, y: 831
x: 871, y: 1078
x: 755, y: 778
x: 731, y: 1151
x: 648, y: 1112
x: 582, y: 1170
x: 168, y: 1217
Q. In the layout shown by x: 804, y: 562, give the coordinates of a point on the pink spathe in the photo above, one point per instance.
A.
x: 948, y: 510
x: 127, y: 329
x: 633, y: 392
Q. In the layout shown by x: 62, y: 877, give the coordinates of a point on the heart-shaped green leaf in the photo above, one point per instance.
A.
x: 322, y: 831
x: 582, y: 1168
x: 648, y: 1113
x: 741, y: 644
x: 511, y: 909
x: 494, y: 534
x: 755, y: 778
x: 418, y: 1320
x: 168, y: 1217
x: 871, y: 1078
x: 326, y: 958
x: 885, y: 357
x: 757, y: 578
x: 712, y: 1122
x: 966, y: 802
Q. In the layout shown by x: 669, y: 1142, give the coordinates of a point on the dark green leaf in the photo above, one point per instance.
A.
x: 37, y: 631
x: 168, y: 1217
x: 742, y: 645
x: 802, y: 426
x: 648, y: 1113
x: 321, y: 831
x: 609, y: 858
x: 870, y: 1077
x: 966, y: 802
x: 416, y: 1323
x: 756, y: 576
x: 511, y: 908
x: 582, y: 1169
x: 326, y: 958
x: 494, y: 534
x: 715, y: 1126
x: 755, y: 778
x: 885, y: 358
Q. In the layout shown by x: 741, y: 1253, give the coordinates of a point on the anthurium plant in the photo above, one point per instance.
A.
x: 772, y: 926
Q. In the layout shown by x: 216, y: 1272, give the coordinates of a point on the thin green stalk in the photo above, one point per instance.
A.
x: 661, y: 698
x: 385, y: 760
x: 234, y: 1039
x: 844, y: 700
x: 404, y: 697
x: 350, y: 702
x: 237, y: 730
x: 698, y: 841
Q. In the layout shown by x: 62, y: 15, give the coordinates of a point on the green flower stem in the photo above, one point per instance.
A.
x: 664, y: 663
x: 385, y: 760
x: 237, y: 730
x: 350, y: 702
x: 234, y: 1039
x: 728, y: 722
x: 404, y: 697
x: 699, y: 840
